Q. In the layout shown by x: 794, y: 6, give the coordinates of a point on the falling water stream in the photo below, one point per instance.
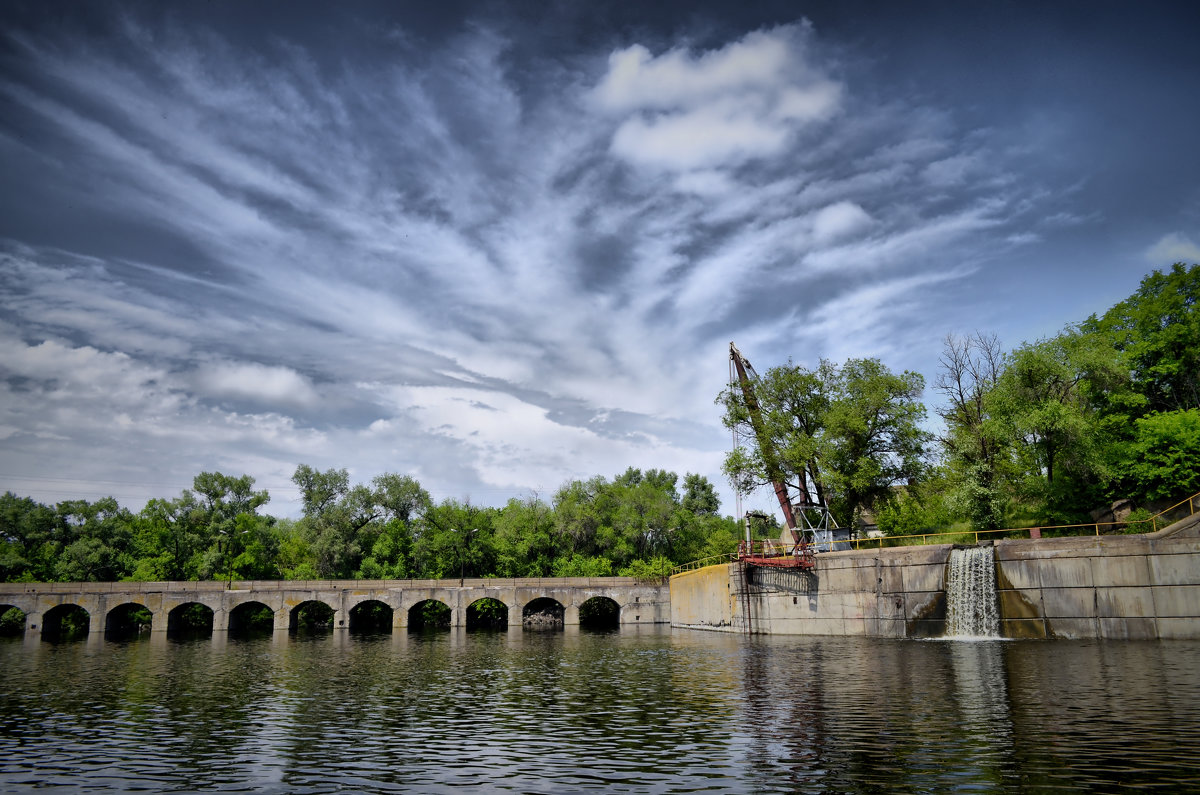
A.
x: 971, y: 609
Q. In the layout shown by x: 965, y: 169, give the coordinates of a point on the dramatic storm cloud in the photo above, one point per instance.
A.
x: 497, y: 250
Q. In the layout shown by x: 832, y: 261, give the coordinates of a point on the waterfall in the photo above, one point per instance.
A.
x: 971, y: 609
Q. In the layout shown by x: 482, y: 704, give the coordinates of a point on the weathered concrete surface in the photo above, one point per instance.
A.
x: 878, y: 593
x: 639, y: 601
x: 1135, y: 586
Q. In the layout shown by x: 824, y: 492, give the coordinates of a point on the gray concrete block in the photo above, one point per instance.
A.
x: 1177, y: 601
x: 1130, y: 602
x: 1067, y: 572
x: 1127, y: 628
x: 1175, y: 545
x: 1023, y: 604
x: 1125, y: 545
x: 1019, y: 573
x: 1073, y: 628
x: 1120, y: 570
x: 1039, y: 549
x: 1178, y: 628
x: 1068, y: 602
x: 1023, y: 628
x: 893, y: 579
x: 924, y: 577
x: 1175, y: 569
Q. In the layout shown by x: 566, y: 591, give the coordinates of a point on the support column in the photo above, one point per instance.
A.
x: 458, y: 617
x: 341, y: 619
x: 399, y: 618
x: 33, y: 627
x: 515, y: 615
x: 220, y: 622
x: 283, y: 619
x: 158, y: 621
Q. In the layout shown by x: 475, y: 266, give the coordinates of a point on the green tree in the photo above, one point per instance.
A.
x: 1158, y: 328
x: 1163, y: 461
x: 974, y: 443
x: 95, y: 541
x: 875, y: 436
x: 27, y: 545
x: 921, y: 508
x: 455, y: 538
x: 400, y: 496
x: 699, y: 496
x: 1047, y: 400
x: 527, y: 539
x: 842, y: 436
x: 338, y: 520
x: 580, y: 566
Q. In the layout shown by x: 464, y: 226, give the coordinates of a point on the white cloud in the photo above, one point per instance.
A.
x: 636, y: 79
x: 837, y: 221
x: 79, y: 374
x: 431, y: 270
x: 720, y: 108
x: 718, y: 134
x: 870, y: 321
x: 266, y: 384
x: 1172, y: 248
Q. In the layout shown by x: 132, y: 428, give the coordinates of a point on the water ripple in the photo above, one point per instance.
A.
x: 630, y: 712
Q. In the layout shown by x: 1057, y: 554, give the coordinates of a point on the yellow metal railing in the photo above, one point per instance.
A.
x: 711, y: 560
x: 1156, y: 522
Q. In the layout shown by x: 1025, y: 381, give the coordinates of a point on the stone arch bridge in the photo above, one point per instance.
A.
x: 638, y: 601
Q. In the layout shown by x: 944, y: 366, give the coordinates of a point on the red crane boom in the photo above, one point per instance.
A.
x: 766, y: 451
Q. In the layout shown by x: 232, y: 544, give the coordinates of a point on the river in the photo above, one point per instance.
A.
x: 636, y: 711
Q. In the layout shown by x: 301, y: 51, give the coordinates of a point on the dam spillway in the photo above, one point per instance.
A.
x: 971, y: 607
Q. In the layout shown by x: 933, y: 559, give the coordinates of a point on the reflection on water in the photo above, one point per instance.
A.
x: 636, y: 711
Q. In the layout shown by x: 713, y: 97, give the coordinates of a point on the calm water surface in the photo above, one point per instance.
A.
x: 638, y: 711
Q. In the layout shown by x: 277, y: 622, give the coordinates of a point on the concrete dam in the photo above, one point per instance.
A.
x: 1124, y: 586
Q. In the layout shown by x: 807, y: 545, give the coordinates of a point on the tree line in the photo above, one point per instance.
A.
x: 1043, y: 434
x: 636, y: 524
x: 1106, y: 410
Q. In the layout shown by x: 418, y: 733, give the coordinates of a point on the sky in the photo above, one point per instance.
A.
x: 499, y: 246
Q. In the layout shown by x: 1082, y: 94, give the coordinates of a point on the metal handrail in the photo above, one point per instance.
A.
x: 1193, y: 502
x: 1035, y: 532
x: 711, y: 560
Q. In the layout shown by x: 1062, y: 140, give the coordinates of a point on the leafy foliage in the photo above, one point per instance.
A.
x: 389, y: 529
x: 842, y: 436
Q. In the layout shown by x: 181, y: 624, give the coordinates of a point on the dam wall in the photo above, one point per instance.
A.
x: 1126, y: 586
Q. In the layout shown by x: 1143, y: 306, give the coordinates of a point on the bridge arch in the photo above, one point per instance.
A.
x: 250, y: 616
x: 190, y: 618
x: 429, y: 614
x: 371, y: 615
x: 487, y: 612
x: 66, y: 621
x: 600, y: 612
x: 543, y: 612
x: 313, y: 615
x: 127, y: 620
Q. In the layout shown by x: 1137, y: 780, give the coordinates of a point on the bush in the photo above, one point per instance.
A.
x: 12, y: 622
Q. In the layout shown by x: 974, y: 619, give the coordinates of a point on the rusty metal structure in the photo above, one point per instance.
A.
x: 765, y: 553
